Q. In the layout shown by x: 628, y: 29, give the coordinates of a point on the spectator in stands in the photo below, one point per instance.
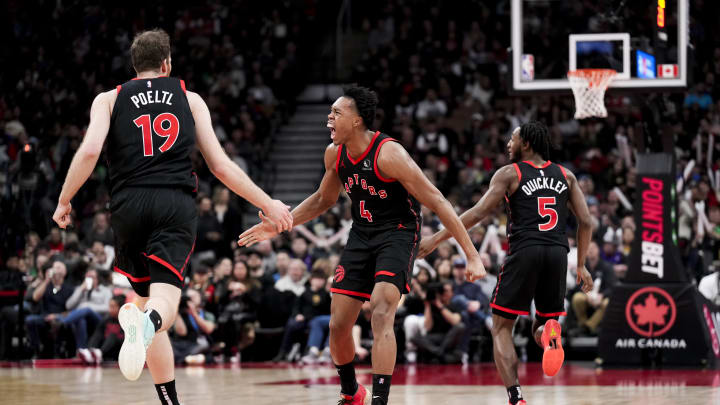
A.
x: 300, y: 251
x: 314, y: 301
x: 52, y: 293
x: 192, y: 329
x: 101, y: 256
x: 209, y: 230
x: 443, y: 327
x: 295, y: 278
x: 105, y: 343
x: 473, y: 305
x: 100, y: 230
x: 87, y: 305
x: 710, y: 287
x: 238, y: 297
x: 431, y: 106
x: 282, y: 262
x: 590, y: 308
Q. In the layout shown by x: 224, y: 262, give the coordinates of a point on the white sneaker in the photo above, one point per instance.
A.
x: 97, y: 354
x: 85, y: 356
x: 411, y: 357
x: 325, y: 356
x: 139, y: 332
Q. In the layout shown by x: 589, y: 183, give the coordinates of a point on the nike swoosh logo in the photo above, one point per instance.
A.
x: 375, y: 396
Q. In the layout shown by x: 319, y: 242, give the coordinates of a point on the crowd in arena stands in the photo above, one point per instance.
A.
x: 443, y: 95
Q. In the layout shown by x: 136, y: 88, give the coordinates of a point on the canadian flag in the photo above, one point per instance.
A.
x: 667, y: 70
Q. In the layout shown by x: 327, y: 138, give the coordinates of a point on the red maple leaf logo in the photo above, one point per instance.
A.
x: 650, y: 313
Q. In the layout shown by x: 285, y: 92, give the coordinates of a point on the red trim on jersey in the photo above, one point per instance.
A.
x: 188, y: 257
x: 384, y: 273
x: 166, y: 264
x: 517, y: 170
x: 508, y: 310
x: 372, y: 142
x: 562, y: 169
x: 182, y: 84
x: 133, y: 279
x: 375, y: 166
x: 337, y: 161
x: 497, y: 287
x: 541, y: 167
x: 348, y: 292
x: 119, y: 86
x: 550, y: 315
x: 14, y: 293
x: 197, y: 184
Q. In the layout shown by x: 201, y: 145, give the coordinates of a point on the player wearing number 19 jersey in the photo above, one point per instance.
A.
x: 538, y: 195
x: 152, y: 123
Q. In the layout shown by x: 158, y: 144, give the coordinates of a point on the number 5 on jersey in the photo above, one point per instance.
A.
x: 545, y: 211
x: 165, y: 125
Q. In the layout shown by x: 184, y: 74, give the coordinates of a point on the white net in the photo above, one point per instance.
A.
x: 588, y: 86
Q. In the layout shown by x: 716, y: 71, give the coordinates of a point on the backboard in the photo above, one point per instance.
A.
x: 645, y: 41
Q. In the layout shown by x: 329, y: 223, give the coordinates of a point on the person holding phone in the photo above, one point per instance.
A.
x: 87, y: 305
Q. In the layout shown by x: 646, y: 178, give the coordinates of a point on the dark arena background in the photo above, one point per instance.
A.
x: 454, y: 78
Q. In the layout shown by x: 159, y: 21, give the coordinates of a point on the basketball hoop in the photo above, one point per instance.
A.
x: 588, y: 86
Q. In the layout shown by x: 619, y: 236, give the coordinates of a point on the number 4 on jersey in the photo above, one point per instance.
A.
x: 545, y: 211
x: 158, y: 125
x: 365, y: 213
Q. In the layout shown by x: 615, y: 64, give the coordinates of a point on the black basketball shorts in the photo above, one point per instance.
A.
x: 373, y: 256
x: 155, y: 232
x: 534, y: 272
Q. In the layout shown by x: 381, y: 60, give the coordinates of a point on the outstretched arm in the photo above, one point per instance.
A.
x: 227, y: 171
x: 317, y: 203
x: 500, y: 183
x: 394, y: 162
x: 578, y: 206
x: 86, y: 157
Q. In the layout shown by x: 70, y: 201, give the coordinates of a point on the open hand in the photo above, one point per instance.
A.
x: 279, y: 214
x: 583, y: 275
x: 426, y: 247
x: 258, y: 233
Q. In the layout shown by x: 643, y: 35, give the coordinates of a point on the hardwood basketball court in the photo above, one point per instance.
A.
x: 265, y: 384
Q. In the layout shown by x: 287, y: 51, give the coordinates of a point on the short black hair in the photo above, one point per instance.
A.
x: 537, y: 135
x: 366, y: 102
x: 119, y: 299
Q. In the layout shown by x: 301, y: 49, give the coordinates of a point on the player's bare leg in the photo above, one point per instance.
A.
x: 506, y: 359
x: 384, y: 303
x: 146, y: 339
x: 344, y: 311
x: 548, y: 336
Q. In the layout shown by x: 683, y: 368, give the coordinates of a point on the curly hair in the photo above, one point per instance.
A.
x: 366, y: 102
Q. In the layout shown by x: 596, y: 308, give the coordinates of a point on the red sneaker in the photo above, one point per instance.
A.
x: 361, y: 397
x: 521, y: 402
x: 554, y: 354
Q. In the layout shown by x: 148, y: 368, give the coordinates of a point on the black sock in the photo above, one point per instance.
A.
x: 166, y: 393
x: 348, y: 383
x: 155, y: 318
x: 381, y: 389
x: 515, y: 394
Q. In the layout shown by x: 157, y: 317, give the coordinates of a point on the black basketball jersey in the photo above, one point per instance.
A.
x: 152, y: 132
x: 538, y: 209
x: 377, y: 202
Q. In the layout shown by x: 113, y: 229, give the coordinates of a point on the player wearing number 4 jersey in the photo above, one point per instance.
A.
x: 538, y: 195
x: 152, y: 125
x: 385, y: 185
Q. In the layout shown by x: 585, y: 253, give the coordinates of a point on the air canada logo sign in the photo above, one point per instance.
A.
x: 651, y: 312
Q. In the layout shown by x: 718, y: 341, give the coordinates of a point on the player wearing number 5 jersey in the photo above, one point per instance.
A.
x: 385, y: 185
x: 538, y: 195
x: 152, y: 123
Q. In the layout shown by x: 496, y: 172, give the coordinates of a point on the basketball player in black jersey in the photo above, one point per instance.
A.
x: 385, y: 185
x: 538, y: 194
x: 152, y: 124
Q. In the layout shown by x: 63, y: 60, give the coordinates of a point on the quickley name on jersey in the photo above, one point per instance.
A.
x: 538, y: 209
x: 152, y: 132
x: 377, y: 202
